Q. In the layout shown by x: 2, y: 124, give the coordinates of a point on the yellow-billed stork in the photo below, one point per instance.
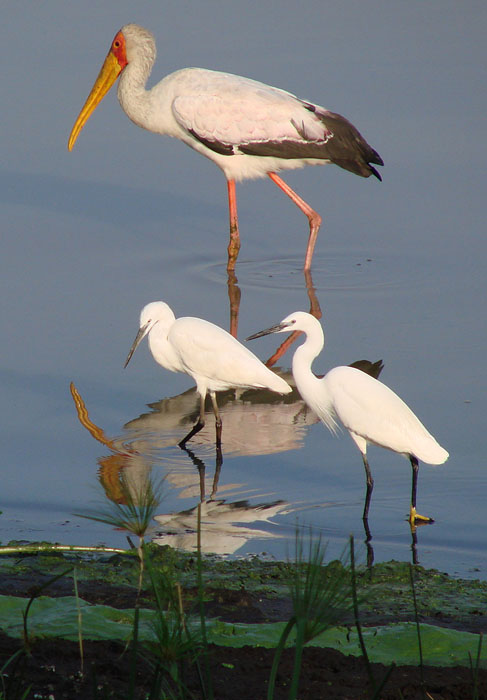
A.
x: 247, y: 128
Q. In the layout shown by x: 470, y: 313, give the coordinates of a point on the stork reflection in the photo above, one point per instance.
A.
x: 256, y: 423
x: 136, y: 457
x: 234, y: 297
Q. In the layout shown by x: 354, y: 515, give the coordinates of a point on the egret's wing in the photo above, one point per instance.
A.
x: 210, y: 353
x: 370, y: 409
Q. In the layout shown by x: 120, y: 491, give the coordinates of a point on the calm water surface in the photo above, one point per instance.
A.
x: 399, y: 273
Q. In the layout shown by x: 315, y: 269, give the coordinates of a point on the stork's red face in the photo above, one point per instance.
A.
x: 113, y: 65
x: 118, y: 49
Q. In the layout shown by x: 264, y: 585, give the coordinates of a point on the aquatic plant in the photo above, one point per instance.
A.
x: 320, y: 597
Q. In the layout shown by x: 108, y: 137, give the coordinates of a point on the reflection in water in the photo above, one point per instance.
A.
x: 250, y: 420
x: 370, y: 549
x: 201, y: 467
x: 234, y: 296
x: 314, y: 310
x: 257, y: 422
x: 221, y: 524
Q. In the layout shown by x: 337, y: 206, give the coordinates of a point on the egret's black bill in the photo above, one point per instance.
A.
x: 274, y: 329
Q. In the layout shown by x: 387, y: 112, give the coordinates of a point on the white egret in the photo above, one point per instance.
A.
x: 214, y: 358
x: 369, y: 410
x: 247, y: 128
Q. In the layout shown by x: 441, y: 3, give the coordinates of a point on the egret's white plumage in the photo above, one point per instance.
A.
x: 369, y: 410
x: 247, y: 128
x: 214, y: 358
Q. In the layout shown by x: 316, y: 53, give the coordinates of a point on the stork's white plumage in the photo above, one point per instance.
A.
x: 247, y: 128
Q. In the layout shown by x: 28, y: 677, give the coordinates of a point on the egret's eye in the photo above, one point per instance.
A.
x: 116, y: 44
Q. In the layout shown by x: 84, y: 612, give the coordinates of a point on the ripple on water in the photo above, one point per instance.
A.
x: 341, y: 271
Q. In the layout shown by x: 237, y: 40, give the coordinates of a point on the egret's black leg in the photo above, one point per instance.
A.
x: 197, y: 427
x: 415, y: 467
x: 218, y: 420
x: 415, y: 518
x: 370, y: 487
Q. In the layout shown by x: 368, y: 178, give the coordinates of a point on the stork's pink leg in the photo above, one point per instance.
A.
x: 234, y: 244
x: 313, y: 217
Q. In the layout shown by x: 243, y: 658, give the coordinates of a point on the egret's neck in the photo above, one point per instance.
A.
x: 302, y: 362
x: 160, y: 347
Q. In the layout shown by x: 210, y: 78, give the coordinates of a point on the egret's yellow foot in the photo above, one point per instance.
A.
x: 417, y: 519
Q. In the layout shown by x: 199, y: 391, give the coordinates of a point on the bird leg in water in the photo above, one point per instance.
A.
x: 234, y: 244
x: 370, y: 488
x: 234, y: 295
x: 218, y: 467
x: 416, y: 518
x: 313, y: 217
x: 218, y: 420
x: 199, y: 425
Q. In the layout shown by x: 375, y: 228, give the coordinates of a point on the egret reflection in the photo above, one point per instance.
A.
x: 257, y: 422
x: 223, y: 524
x: 135, y: 457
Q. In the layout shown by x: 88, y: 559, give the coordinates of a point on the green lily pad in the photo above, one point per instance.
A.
x: 59, y: 617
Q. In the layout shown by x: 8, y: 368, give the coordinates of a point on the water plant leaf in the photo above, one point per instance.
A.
x: 58, y: 617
